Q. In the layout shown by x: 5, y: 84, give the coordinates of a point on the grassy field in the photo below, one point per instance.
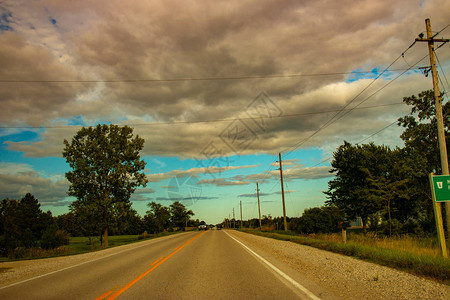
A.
x: 419, y: 256
x: 78, y: 245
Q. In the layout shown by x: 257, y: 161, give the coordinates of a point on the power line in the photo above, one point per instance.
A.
x: 194, y: 78
x: 363, y: 140
x: 437, y: 33
x: 334, y: 119
x: 443, y: 73
x: 373, y: 134
x: 201, y: 121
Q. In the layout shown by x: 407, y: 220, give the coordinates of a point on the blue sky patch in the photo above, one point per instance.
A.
x: 53, y: 21
x: 5, y: 20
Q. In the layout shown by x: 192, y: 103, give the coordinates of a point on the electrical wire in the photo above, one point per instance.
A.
x: 437, y: 33
x: 331, y: 120
x: 193, y: 78
x: 443, y: 73
x: 334, y: 119
x: 201, y: 121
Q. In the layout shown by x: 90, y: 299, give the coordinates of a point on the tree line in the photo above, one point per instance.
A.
x: 387, y: 188
x: 23, y: 224
x: 106, y: 170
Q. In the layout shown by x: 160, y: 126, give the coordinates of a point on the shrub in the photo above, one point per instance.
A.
x: 54, y: 238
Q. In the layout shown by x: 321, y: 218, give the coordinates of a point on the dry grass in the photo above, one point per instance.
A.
x: 404, y: 243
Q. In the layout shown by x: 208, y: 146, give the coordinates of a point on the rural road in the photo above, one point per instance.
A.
x: 223, y: 264
x: 195, y: 265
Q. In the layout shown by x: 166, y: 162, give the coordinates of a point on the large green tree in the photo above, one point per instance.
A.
x: 420, y: 134
x: 352, y: 166
x: 157, y: 218
x: 106, y: 170
x: 421, y: 151
x: 179, y: 214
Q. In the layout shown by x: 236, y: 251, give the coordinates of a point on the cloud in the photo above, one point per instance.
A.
x: 144, y: 191
x: 16, y: 183
x: 254, y: 195
x: 222, y: 182
x: 184, y: 198
x: 286, y: 162
x: 294, y: 172
x: 194, y: 172
x: 177, y: 45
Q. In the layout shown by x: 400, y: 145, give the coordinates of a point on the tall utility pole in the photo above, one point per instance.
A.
x: 234, y: 220
x: 240, y: 203
x: 438, y: 100
x: 259, y: 207
x: 282, y: 193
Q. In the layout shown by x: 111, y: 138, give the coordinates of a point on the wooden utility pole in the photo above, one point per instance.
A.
x: 259, y: 207
x: 438, y: 219
x: 240, y: 203
x: 282, y: 192
x: 234, y: 220
x: 438, y: 102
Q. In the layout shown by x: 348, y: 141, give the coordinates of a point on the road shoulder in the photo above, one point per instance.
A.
x: 330, y: 275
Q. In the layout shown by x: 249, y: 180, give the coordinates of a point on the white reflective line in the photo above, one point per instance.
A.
x: 152, y: 241
x: 278, y: 271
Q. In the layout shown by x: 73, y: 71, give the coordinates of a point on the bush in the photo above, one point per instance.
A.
x: 145, y: 235
x: 54, y: 238
x: 18, y: 253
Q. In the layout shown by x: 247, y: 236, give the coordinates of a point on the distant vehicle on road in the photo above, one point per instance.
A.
x: 202, y: 227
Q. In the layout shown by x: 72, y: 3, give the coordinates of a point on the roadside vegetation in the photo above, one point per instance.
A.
x: 384, y: 193
x: 419, y: 256
x: 26, y: 232
x: 106, y: 170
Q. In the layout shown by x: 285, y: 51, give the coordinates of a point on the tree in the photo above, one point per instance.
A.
x: 421, y: 151
x: 22, y: 223
x: 420, y: 134
x: 349, y: 190
x: 387, y: 190
x: 106, y: 170
x: 68, y: 222
x: 179, y: 214
x: 318, y: 220
x: 157, y: 218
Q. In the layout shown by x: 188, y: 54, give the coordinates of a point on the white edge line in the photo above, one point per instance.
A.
x: 281, y: 273
x: 80, y: 264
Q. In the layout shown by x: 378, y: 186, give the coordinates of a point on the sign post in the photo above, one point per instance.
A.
x: 440, y: 191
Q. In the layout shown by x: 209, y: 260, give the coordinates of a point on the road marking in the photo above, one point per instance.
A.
x: 156, y: 261
x: 104, y: 295
x: 278, y: 271
x: 156, y: 264
x: 80, y: 264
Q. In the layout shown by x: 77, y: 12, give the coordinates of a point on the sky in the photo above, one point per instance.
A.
x: 216, y: 88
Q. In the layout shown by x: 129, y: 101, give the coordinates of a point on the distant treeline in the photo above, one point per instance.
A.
x: 24, y: 225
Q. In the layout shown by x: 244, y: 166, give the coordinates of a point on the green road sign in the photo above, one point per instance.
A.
x: 441, y: 184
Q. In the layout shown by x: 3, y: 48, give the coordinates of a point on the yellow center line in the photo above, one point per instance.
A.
x: 156, y: 261
x: 105, y: 295
x: 156, y: 264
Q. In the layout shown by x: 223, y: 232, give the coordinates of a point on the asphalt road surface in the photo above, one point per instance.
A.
x: 196, y: 265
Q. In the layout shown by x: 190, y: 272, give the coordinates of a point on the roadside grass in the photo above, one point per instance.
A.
x: 411, y: 254
x: 79, y: 245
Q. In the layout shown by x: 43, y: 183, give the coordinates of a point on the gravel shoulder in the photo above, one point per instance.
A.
x: 335, y: 276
